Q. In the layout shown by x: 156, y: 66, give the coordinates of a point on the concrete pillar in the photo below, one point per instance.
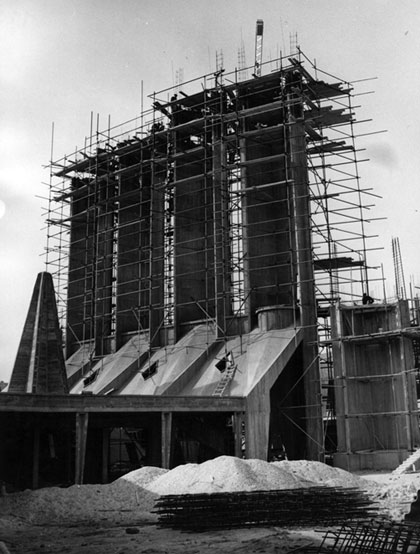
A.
x: 166, y: 420
x: 105, y: 455
x: 81, y: 436
x: 306, y: 287
x: 35, y: 459
x: 257, y: 423
x: 238, y: 432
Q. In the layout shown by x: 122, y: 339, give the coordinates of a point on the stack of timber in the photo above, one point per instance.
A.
x: 287, y: 507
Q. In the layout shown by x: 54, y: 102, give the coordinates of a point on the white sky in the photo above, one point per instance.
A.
x: 62, y: 59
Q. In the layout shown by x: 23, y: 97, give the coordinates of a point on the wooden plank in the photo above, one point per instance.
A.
x: 257, y: 188
x: 323, y: 264
x: 266, y: 159
x: 373, y: 337
x: 275, y: 106
x: 261, y: 132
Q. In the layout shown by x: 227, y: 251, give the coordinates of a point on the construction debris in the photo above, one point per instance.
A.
x: 371, y: 538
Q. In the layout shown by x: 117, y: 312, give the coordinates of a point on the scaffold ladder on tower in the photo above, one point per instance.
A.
x: 258, y: 47
x: 398, y: 270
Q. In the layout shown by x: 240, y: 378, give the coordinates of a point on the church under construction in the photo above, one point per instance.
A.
x: 207, y: 274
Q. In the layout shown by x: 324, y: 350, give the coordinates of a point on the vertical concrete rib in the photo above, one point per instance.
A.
x: 302, y: 231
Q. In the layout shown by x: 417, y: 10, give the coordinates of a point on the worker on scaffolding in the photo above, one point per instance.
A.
x: 176, y: 110
x: 366, y: 299
x: 157, y: 127
x: 292, y: 89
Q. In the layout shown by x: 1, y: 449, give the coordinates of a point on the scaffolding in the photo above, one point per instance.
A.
x: 400, y: 289
x: 193, y: 211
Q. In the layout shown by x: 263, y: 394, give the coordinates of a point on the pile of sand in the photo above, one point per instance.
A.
x: 395, y: 494
x: 122, y: 499
x: 322, y: 474
x: 142, y: 477
x: 133, y: 495
x: 226, y: 474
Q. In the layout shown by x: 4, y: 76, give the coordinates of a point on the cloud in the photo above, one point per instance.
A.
x: 383, y: 154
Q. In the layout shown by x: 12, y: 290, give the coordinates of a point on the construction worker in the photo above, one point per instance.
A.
x: 366, y: 299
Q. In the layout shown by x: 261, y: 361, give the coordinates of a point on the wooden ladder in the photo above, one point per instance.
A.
x: 225, y: 380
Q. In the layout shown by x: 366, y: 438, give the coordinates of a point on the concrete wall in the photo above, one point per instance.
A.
x: 375, y: 390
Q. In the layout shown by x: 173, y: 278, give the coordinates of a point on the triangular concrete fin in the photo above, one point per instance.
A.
x: 39, y: 366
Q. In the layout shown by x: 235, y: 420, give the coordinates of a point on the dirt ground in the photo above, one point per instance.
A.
x: 95, y: 529
x: 136, y: 537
